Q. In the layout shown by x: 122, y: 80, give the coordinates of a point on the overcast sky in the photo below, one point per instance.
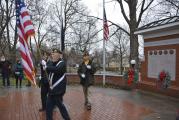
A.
x: 112, y: 10
x: 113, y: 13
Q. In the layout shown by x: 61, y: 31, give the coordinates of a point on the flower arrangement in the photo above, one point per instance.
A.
x: 164, y: 79
x: 131, y: 76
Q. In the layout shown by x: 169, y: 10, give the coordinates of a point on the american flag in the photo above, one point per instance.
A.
x: 25, y: 29
x: 105, y: 26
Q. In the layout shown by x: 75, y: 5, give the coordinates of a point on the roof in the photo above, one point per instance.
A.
x: 167, y: 22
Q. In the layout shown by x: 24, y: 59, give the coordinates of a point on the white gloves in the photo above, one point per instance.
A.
x: 88, y: 66
x: 17, y: 73
x: 83, y: 75
x: 40, y: 77
x: 44, y: 64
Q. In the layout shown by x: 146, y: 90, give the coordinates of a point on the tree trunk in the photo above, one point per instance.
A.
x: 121, y: 64
x: 134, y: 45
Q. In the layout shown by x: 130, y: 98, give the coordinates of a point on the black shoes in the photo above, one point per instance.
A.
x: 88, y: 105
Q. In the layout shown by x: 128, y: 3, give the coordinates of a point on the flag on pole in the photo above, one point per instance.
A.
x: 62, y: 37
x: 25, y: 29
x: 105, y: 26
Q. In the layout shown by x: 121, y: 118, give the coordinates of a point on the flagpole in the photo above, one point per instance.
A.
x: 61, y: 36
x: 40, y: 54
x: 104, y: 56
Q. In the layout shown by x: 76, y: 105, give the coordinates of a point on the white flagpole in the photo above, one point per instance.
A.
x: 104, y: 55
x: 61, y: 13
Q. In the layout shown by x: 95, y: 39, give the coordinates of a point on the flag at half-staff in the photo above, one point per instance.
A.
x: 105, y: 26
x: 25, y: 30
x: 105, y: 38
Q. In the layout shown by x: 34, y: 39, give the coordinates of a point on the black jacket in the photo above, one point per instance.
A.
x: 89, y: 74
x: 5, y: 67
x: 58, y: 71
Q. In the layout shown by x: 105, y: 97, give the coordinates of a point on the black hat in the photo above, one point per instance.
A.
x: 55, y: 50
x: 86, y: 53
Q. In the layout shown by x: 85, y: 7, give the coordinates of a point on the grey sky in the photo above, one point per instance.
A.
x: 112, y: 10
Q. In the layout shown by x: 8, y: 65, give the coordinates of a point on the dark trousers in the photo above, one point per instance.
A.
x: 56, y: 100
x: 44, y: 92
x: 18, y: 78
x: 85, y: 91
x: 177, y: 118
x: 4, y: 78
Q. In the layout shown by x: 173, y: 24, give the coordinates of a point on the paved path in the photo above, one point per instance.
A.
x: 107, y: 104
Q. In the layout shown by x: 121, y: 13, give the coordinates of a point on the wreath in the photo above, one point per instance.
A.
x: 164, y: 79
x: 131, y: 76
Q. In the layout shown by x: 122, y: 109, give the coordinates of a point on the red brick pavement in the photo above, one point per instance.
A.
x: 23, y: 104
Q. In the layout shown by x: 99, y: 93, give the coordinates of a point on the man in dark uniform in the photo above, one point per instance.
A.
x: 44, y: 83
x: 86, y: 72
x: 56, y: 73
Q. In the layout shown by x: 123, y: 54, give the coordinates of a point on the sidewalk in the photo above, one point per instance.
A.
x: 107, y: 104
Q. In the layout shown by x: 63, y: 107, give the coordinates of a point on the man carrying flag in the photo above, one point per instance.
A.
x: 25, y: 29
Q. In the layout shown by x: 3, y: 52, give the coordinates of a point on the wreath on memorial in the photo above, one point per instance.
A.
x: 131, y: 76
x: 164, y: 79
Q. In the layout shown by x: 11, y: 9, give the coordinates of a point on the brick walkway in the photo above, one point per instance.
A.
x: 107, y: 104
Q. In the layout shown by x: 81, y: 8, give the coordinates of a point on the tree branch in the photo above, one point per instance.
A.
x: 143, y: 10
x: 122, y: 10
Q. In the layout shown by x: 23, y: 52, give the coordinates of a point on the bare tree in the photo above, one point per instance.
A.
x: 7, y: 41
x: 133, y: 20
x: 70, y: 16
x: 85, y: 33
x: 173, y: 3
x: 120, y: 43
x: 167, y: 8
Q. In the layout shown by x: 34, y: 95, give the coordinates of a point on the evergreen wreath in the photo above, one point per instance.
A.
x: 164, y: 79
x: 131, y: 76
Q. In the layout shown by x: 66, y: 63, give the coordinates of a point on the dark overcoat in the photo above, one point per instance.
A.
x: 19, y: 70
x: 58, y: 70
x: 89, y: 73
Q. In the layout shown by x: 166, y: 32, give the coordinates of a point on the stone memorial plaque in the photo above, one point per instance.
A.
x: 159, y: 60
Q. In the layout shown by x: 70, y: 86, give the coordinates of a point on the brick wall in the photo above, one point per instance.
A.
x: 112, y: 80
x: 149, y: 83
x: 117, y: 81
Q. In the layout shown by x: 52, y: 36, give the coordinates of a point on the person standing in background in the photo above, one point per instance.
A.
x: 18, y: 72
x: 5, y: 71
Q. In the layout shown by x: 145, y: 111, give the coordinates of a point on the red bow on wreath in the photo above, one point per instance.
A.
x: 131, y: 76
x: 162, y: 75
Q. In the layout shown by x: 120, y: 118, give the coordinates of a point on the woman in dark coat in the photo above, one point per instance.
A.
x: 18, y: 73
x: 86, y: 72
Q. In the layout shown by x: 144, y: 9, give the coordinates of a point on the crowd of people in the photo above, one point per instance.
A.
x: 8, y: 69
x: 52, y: 80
